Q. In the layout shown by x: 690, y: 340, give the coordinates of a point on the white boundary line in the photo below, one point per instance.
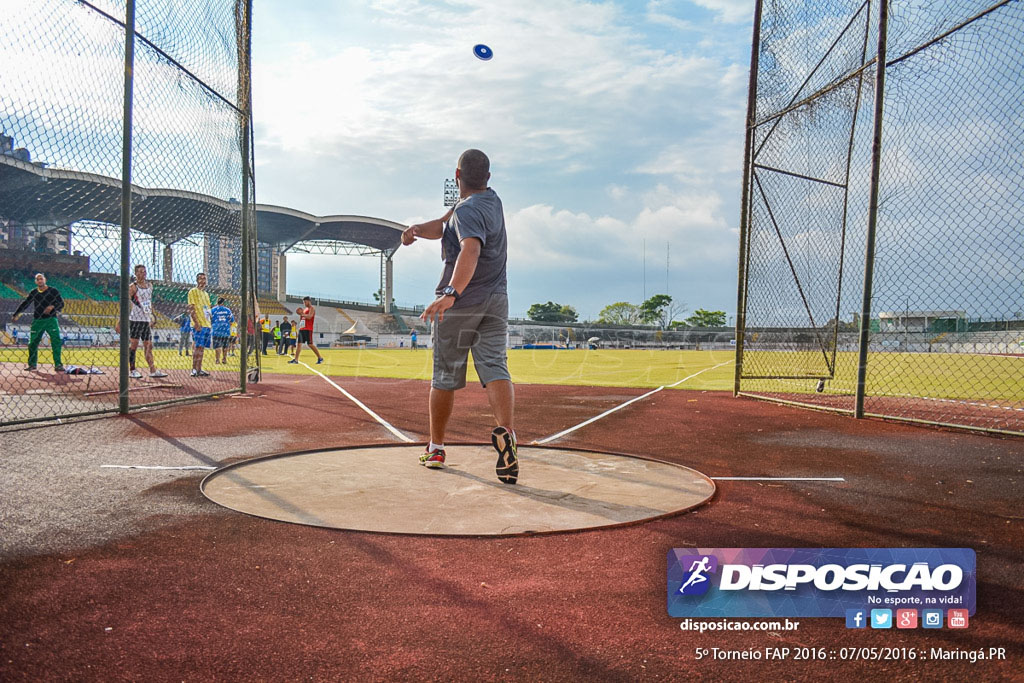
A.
x: 387, y: 425
x: 623, y: 405
x: 778, y: 478
x: 157, y: 467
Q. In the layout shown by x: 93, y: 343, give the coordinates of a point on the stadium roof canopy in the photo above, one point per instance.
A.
x: 299, y: 231
x: 32, y: 193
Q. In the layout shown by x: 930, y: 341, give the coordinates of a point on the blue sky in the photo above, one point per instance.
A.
x: 609, y: 125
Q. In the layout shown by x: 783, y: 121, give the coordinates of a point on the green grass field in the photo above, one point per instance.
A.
x: 934, y: 375
x: 955, y: 376
x: 633, y: 368
x: 639, y: 368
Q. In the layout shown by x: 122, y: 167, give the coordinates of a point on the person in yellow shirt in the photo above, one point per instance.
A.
x: 198, y: 303
x: 265, y: 330
x: 233, y: 342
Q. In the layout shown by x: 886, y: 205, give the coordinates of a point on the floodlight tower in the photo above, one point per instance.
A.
x: 451, y: 192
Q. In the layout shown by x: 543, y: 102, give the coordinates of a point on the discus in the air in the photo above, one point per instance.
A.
x: 483, y: 52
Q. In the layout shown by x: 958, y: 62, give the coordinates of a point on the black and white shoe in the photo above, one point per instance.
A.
x: 507, y: 467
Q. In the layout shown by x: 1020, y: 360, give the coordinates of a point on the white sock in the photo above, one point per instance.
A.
x: 433, y: 447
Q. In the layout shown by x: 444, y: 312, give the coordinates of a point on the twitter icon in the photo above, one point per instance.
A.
x: 881, y: 618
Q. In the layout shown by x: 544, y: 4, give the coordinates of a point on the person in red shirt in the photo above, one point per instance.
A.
x: 306, y: 316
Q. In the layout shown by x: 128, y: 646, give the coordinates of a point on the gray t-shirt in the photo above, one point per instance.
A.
x: 480, y: 215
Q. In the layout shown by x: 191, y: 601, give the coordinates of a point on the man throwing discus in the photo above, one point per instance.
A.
x: 471, y: 311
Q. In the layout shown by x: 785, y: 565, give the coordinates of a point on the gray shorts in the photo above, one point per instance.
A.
x: 482, y: 329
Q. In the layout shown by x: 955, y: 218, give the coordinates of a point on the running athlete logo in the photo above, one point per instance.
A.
x: 696, y: 581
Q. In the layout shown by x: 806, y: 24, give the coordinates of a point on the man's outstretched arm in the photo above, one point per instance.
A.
x: 431, y: 230
x: 24, y: 304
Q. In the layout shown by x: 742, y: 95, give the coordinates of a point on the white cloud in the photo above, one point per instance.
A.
x: 563, y: 82
x: 617, y: 192
x: 600, y: 137
x: 730, y: 11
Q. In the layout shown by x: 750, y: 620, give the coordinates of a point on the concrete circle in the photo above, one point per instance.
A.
x: 385, y: 489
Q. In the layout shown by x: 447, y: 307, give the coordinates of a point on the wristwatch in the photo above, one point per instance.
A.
x: 449, y: 291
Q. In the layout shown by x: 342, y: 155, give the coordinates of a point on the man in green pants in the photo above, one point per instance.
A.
x: 48, y: 304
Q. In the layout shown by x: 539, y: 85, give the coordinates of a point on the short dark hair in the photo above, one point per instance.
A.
x: 220, y: 300
x: 476, y: 168
x: 140, y: 265
x: 306, y: 298
x: 198, y: 274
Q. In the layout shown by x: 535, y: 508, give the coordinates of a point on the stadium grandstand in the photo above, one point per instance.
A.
x: 49, y: 228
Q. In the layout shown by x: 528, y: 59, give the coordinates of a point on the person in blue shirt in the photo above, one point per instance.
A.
x: 185, y: 323
x: 221, y: 318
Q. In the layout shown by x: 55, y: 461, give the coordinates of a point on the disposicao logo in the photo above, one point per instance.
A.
x: 696, y: 581
x: 817, y: 582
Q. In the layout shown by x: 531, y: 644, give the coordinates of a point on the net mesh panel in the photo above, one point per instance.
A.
x: 947, y: 329
x: 61, y: 111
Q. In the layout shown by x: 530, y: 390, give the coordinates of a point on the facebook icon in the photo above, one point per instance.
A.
x: 856, y: 618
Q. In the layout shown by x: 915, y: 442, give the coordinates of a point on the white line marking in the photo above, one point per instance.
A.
x: 387, y: 425
x: 623, y: 405
x: 158, y: 467
x: 676, y: 384
x: 778, y: 478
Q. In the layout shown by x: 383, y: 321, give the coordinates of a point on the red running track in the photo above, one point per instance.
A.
x: 223, y: 596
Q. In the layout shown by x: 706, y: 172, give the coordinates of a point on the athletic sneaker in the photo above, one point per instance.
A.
x: 158, y: 373
x: 319, y: 361
x: 507, y: 467
x: 293, y: 362
x: 30, y: 368
x: 135, y: 374
x: 200, y: 373
x: 433, y: 459
x: 58, y: 368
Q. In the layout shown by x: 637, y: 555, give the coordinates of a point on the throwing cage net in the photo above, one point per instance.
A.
x: 881, y: 255
x: 125, y: 173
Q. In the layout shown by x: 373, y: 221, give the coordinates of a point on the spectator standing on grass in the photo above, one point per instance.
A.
x: 277, y: 338
x: 233, y: 343
x: 198, y: 310
x: 47, y: 304
x: 140, y: 323
x: 307, y: 314
x: 185, y: 328
x: 221, y: 319
x: 286, y: 335
x: 471, y: 311
x: 266, y: 332
x: 413, y: 337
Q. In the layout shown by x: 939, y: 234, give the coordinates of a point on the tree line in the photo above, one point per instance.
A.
x: 659, y: 310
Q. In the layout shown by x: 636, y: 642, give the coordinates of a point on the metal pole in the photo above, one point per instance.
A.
x: 126, y: 200
x: 869, y: 250
x: 245, y: 101
x: 741, y: 284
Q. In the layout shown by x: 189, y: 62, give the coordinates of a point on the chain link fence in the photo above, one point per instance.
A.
x: 915, y: 199
x: 83, y: 147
